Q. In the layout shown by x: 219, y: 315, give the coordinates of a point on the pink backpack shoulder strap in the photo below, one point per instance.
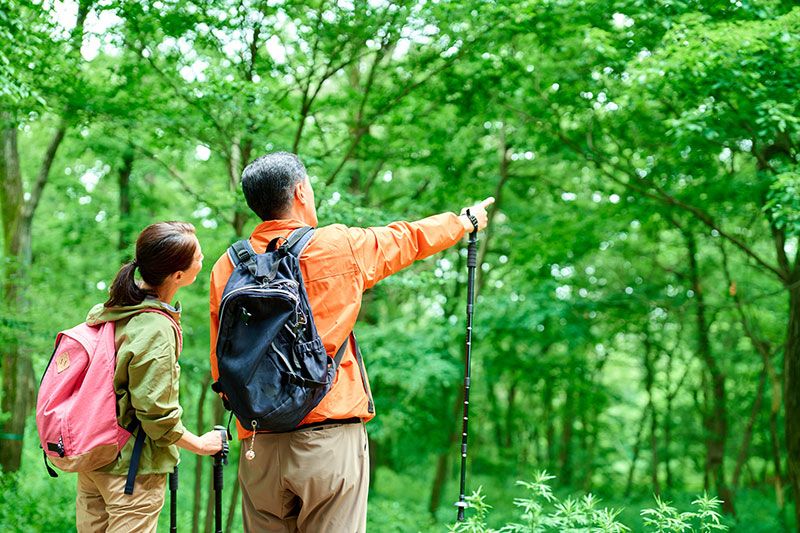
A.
x: 175, y: 325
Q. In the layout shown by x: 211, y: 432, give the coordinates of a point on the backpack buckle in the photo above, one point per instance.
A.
x: 243, y: 255
x: 57, y: 447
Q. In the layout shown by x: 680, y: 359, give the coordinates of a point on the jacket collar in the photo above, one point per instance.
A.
x: 277, y: 225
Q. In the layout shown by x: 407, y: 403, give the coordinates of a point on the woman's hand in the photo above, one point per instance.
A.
x: 211, y: 442
x: 206, y: 444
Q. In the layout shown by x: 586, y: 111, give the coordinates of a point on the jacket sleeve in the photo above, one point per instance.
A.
x: 219, y: 276
x: 383, y: 251
x: 153, y: 381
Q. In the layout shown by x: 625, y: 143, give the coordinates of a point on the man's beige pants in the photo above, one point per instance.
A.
x: 102, y: 504
x: 313, y: 480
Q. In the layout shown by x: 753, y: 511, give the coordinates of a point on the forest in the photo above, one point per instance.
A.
x: 636, y: 342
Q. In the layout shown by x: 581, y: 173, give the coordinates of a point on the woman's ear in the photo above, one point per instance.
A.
x: 175, y: 277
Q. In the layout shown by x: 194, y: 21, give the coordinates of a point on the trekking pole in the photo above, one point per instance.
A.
x: 472, y: 263
x: 173, y: 501
x: 220, y: 459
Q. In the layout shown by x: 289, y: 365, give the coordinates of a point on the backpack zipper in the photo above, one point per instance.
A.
x: 256, y: 289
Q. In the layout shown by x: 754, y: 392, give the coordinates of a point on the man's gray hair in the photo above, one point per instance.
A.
x: 268, y: 183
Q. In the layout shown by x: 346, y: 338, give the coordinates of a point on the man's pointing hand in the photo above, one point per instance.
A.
x: 479, y: 212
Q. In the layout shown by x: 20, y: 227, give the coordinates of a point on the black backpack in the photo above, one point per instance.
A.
x: 273, y: 368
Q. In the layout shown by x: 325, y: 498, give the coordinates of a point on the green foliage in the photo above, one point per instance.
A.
x: 666, y: 518
x: 644, y: 159
x: 34, y: 505
x: 783, y: 205
x: 542, y: 511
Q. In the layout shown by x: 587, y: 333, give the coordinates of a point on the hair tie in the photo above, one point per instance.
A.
x: 135, y: 263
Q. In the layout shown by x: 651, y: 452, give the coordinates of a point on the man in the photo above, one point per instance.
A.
x: 316, y: 478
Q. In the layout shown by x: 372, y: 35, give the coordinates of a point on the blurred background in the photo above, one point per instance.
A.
x: 637, y: 327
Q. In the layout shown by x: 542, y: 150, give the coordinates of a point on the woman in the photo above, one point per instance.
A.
x: 168, y: 257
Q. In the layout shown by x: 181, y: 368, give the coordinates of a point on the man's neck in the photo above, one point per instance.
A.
x: 297, y: 214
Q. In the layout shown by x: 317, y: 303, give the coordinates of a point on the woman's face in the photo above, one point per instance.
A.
x: 190, y: 274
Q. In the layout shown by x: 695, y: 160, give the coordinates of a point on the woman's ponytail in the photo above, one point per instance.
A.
x: 124, y: 290
x: 161, y: 249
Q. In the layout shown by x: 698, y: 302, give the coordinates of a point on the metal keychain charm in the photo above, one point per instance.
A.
x: 250, y: 454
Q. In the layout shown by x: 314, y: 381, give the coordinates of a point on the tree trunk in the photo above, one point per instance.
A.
x: 17, y: 220
x: 124, y: 182
x: 637, y: 446
x: 496, y: 423
x: 590, y: 428
x: 744, y: 449
x: 510, y: 413
x: 667, y: 456
x: 565, y: 448
x: 792, y: 396
x: 235, y: 169
x: 716, y: 419
x: 763, y: 347
x: 776, y: 454
x: 649, y: 378
x: 13, y: 377
x: 550, y: 434
x: 442, y: 462
x: 18, y: 389
x: 199, y: 459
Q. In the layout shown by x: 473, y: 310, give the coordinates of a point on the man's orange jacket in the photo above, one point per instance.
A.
x: 338, y: 265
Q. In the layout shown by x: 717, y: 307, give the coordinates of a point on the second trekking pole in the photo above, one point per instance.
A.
x: 173, y: 501
x: 472, y: 263
x: 220, y: 459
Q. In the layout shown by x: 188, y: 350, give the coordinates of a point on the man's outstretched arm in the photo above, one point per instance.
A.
x: 383, y: 251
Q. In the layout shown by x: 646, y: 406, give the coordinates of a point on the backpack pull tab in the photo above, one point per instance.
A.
x: 250, y: 454
x: 246, y: 316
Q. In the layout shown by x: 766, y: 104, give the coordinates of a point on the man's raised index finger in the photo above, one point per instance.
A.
x: 486, y: 203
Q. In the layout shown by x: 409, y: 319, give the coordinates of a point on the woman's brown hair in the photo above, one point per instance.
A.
x: 161, y: 249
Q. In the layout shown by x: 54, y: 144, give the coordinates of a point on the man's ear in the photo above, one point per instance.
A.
x: 300, y: 193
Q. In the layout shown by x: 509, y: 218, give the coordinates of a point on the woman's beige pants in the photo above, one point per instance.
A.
x: 102, y: 504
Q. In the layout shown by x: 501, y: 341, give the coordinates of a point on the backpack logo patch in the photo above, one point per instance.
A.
x: 62, y: 362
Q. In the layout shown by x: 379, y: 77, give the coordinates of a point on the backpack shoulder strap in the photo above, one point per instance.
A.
x: 298, y: 240
x: 136, y: 455
x: 340, y: 353
x: 242, y: 252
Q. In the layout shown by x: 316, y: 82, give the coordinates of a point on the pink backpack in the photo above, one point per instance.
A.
x: 76, y: 409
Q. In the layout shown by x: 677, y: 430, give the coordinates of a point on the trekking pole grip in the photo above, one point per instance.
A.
x: 472, y: 248
x: 222, y: 455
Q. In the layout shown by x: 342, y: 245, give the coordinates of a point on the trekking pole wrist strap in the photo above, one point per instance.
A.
x: 473, y: 219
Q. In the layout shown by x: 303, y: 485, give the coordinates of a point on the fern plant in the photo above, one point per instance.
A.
x: 541, y: 511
